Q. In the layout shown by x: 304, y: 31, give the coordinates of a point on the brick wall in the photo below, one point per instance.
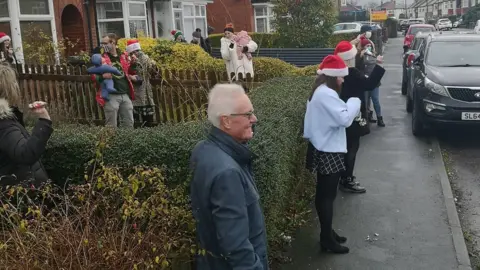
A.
x: 73, y: 29
x: 238, y: 12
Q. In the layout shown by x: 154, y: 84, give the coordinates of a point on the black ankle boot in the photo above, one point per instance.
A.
x: 370, y: 117
x: 350, y: 185
x: 338, y: 238
x: 380, y: 122
x: 330, y: 244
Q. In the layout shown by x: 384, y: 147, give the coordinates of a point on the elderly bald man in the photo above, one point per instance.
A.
x: 225, y: 200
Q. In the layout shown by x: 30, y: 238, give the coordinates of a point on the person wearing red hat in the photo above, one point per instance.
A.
x: 140, y: 67
x: 328, y: 142
x: 6, y: 52
x: 355, y: 84
x: 119, y: 106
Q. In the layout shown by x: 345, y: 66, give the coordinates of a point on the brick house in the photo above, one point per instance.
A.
x: 87, y: 20
x: 249, y: 15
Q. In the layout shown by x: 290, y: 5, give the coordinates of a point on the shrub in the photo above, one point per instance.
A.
x: 111, y: 222
x: 279, y: 105
x: 266, y: 67
x: 307, y: 71
x: 264, y: 40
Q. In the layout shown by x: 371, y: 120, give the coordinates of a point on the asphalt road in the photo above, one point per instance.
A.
x: 402, y: 222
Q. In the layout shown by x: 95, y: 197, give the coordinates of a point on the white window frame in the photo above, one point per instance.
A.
x: 269, y: 17
x: 465, y: 3
x: 15, y: 17
x: 194, y: 17
x: 126, y: 15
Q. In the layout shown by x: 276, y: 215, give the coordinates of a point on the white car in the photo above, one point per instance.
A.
x: 444, y: 24
x: 342, y: 28
x: 455, y: 24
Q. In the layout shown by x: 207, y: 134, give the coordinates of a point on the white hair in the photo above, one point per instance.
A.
x: 222, y: 100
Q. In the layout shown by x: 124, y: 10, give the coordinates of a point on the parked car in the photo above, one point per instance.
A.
x: 446, y: 85
x: 412, y: 31
x: 444, y: 24
x: 409, y: 22
x: 408, y: 58
x: 456, y: 24
x: 400, y: 24
x: 342, y: 28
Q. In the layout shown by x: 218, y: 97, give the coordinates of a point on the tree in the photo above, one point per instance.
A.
x: 372, y: 5
x: 304, y: 23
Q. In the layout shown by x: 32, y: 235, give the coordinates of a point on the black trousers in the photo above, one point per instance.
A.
x: 353, y: 144
x: 325, y: 195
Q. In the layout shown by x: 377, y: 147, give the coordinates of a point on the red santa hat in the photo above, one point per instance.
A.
x: 4, y: 37
x: 333, y: 66
x: 345, y: 50
x: 133, y: 45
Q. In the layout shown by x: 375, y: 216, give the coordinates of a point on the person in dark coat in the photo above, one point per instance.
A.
x: 225, y: 201
x: 355, y: 85
x: 20, y: 152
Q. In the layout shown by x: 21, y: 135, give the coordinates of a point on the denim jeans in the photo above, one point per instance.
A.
x: 375, y: 99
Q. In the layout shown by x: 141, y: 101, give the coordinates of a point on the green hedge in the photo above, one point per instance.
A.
x: 279, y: 105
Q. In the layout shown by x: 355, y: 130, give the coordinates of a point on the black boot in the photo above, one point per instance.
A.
x: 349, y: 185
x: 338, y: 238
x: 370, y: 117
x: 328, y: 243
x: 380, y: 122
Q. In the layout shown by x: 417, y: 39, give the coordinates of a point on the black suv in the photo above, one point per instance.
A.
x: 446, y: 82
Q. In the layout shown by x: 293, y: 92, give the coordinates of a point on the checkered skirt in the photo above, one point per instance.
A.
x: 328, y: 163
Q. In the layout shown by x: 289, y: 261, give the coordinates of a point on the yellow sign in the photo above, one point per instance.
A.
x: 378, y: 15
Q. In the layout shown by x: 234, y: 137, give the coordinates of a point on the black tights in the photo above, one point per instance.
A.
x: 353, y: 144
x: 325, y: 195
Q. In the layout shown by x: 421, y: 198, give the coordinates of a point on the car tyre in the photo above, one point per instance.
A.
x: 409, y: 105
x: 418, y: 127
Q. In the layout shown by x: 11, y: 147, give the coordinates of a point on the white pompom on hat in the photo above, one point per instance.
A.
x: 133, y: 45
x: 4, y: 37
x: 333, y: 66
x: 345, y: 50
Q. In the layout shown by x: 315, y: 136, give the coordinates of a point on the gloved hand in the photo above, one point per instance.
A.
x: 231, y: 45
x: 245, y: 49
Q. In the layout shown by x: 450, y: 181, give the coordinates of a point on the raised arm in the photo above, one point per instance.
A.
x: 21, y: 149
x: 342, y: 113
x: 229, y: 211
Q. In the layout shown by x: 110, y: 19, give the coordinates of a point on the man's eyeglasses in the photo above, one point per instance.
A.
x: 248, y: 115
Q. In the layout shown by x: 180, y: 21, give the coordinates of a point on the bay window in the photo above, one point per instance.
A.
x: 127, y: 19
x: 183, y: 16
x: 28, y: 22
x: 263, y: 14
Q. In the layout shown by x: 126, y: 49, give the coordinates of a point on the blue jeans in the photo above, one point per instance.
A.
x: 375, y: 96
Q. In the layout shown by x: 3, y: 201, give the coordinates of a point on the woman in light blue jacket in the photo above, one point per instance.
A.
x: 326, y: 119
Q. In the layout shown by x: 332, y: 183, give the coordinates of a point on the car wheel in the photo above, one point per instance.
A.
x: 409, y: 105
x: 418, y: 128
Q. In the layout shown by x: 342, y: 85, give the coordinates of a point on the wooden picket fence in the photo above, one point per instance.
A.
x: 179, y: 95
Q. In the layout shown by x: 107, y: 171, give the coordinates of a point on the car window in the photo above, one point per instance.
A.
x: 444, y: 53
x: 414, y: 30
x: 416, y: 43
x: 351, y: 26
x: 339, y: 27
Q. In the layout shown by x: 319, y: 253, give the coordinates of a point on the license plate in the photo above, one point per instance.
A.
x: 472, y: 116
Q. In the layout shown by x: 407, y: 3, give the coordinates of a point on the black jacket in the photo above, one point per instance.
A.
x: 20, y: 152
x: 355, y: 85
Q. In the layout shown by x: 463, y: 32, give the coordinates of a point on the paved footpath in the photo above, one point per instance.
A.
x: 404, y: 204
